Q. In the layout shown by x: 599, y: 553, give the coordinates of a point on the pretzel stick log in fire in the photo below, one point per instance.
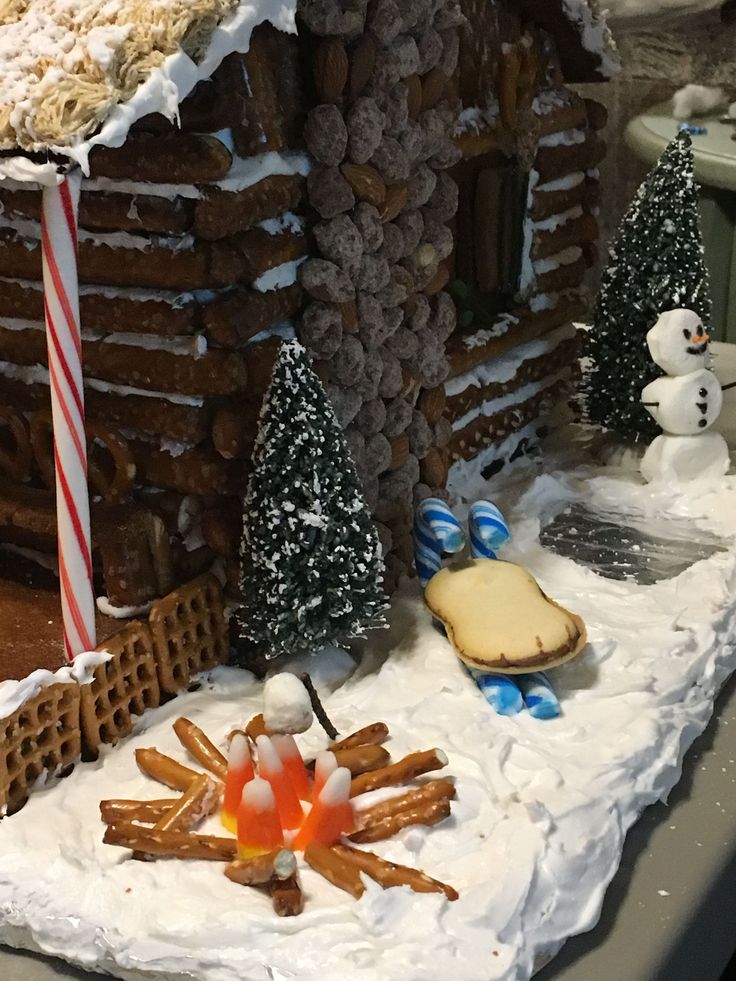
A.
x: 287, y: 896
x: 116, y: 810
x: 200, y: 747
x: 372, y: 735
x: 362, y: 759
x: 279, y: 863
x: 389, y: 874
x: 430, y: 792
x: 334, y: 868
x: 171, y: 844
x: 196, y: 803
x: 162, y: 768
x: 426, y: 813
x: 406, y: 769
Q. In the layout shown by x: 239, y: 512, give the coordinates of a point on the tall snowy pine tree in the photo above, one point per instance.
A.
x: 655, y: 264
x: 312, y: 558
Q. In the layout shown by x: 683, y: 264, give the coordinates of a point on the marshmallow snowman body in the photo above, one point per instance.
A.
x: 685, y: 458
x: 684, y: 405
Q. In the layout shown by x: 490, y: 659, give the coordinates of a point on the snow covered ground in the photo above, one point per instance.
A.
x: 542, y: 806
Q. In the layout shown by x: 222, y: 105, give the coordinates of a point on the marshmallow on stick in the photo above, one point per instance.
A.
x: 287, y: 707
x: 61, y: 303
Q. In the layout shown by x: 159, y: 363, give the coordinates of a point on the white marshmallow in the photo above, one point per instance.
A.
x: 686, y: 404
x: 286, y: 704
x: 671, y: 343
x: 679, y: 458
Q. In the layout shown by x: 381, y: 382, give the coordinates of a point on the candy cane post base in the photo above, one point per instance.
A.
x: 61, y: 306
x: 436, y: 531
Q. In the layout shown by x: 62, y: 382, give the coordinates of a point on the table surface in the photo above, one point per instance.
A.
x: 714, y: 151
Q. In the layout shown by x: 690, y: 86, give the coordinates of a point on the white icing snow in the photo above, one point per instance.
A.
x: 567, y: 137
x: 279, y: 277
x: 541, y: 812
x: 104, y: 605
x: 13, y: 694
x: 595, y: 35
x: 503, y: 368
x: 696, y: 100
x: 517, y: 397
x: 554, y: 222
x: 566, y: 183
x: 36, y: 374
x: 527, y: 274
x: 564, y: 258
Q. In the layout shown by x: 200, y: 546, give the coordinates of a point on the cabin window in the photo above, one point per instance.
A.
x: 489, y: 238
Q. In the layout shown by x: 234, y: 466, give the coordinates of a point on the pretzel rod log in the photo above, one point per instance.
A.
x: 197, y: 802
x: 280, y: 863
x: 331, y: 866
x: 390, y: 776
x: 372, y: 735
x: 427, y: 813
x: 389, y: 874
x: 171, y: 844
x: 200, y: 747
x: 361, y: 759
x: 429, y: 792
x: 287, y: 896
x: 115, y: 810
x: 164, y: 769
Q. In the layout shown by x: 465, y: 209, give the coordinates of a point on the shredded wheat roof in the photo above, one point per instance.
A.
x: 65, y: 63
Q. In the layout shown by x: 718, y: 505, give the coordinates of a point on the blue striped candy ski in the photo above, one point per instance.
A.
x: 539, y: 696
x: 436, y: 530
x: 500, y: 691
x: 488, y: 530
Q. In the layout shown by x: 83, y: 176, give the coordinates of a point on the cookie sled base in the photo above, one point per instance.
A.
x: 542, y: 807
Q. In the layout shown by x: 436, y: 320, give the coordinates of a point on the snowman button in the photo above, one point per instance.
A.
x: 702, y: 423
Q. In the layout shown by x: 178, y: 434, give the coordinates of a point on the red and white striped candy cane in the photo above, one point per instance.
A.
x: 61, y: 305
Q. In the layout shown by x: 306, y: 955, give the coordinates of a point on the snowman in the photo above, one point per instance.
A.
x: 685, y: 403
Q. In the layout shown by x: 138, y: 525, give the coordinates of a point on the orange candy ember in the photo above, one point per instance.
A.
x: 259, y: 827
x: 239, y: 772
x: 331, y: 815
x: 271, y: 768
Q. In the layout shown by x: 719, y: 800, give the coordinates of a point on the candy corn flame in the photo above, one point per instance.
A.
x: 262, y: 807
x: 239, y: 772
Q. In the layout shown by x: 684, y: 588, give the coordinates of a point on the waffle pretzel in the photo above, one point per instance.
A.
x: 16, y: 453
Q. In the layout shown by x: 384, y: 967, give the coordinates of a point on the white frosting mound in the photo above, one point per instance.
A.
x: 542, y: 806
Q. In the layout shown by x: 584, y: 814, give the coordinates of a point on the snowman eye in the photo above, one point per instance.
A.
x: 687, y: 334
x: 703, y: 392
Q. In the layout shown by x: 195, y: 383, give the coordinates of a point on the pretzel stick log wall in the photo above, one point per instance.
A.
x: 118, y: 811
x: 427, y: 813
x: 431, y: 792
x: 280, y: 863
x: 287, y: 896
x: 164, y: 769
x: 371, y: 735
x: 390, y: 776
x: 333, y: 867
x: 389, y: 874
x: 196, y: 803
x: 361, y: 759
x: 171, y: 844
x: 199, y: 746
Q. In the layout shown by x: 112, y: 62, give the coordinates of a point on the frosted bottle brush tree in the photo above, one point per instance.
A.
x: 311, y: 555
x: 655, y: 264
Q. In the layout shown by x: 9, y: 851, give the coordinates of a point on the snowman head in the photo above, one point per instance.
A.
x: 678, y: 342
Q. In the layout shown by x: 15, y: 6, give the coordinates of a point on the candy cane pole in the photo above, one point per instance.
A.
x: 488, y: 530
x: 436, y: 530
x: 61, y: 306
x: 500, y: 691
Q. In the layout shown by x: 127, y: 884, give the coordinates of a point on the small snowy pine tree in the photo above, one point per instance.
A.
x: 655, y: 264
x: 311, y: 555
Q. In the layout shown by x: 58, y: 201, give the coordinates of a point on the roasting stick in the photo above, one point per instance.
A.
x: 172, y: 844
x: 200, y: 747
x: 371, y: 735
x: 391, y: 776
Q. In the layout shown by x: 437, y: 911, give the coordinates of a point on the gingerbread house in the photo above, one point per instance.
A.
x: 264, y: 169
